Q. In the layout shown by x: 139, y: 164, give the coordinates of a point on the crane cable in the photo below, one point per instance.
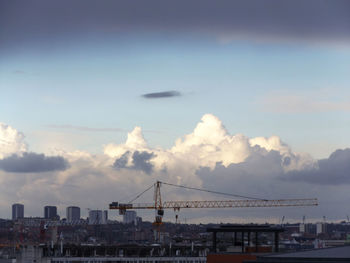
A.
x: 214, y: 192
x: 197, y: 189
x: 141, y: 194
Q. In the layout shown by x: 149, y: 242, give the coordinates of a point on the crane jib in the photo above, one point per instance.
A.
x: 218, y: 204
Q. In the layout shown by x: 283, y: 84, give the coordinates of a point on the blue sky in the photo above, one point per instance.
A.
x: 98, y: 83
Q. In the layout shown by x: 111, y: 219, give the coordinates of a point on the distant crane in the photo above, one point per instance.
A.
x: 282, y: 220
x: 159, y: 206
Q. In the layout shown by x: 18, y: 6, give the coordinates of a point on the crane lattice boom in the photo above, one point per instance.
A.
x: 218, y: 204
x: 239, y: 203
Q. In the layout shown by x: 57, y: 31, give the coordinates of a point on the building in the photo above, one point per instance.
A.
x: 72, y: 213
x: 105, y: 217
x: 122, y: 259
x: 307, y: 228
x: 17, y: 211
x: 138, y: 221
x: 67, y: 253
x: 326, y: 255
x: 95, y: 217
x: 98, y: 217
x: 50, y: 212
x: 129, y: 217
x: 321, y: 228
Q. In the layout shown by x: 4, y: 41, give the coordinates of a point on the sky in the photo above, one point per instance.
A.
x: 99, y: 99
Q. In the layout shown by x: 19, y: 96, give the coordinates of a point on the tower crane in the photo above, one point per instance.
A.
x: 159, y: 206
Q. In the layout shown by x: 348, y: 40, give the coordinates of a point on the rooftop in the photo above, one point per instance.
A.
x: 335, y: 252
x: 246, y: 228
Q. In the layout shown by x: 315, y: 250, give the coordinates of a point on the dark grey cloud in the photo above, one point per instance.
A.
x: 163, y: 94
x: 52, y: 22
x: 33, y: 163
x: 259, y: 177
x: 262, y: 176
x: 122, y: 161
x: 140, y: 161
x: 247, y: 178
x: 334, y: 170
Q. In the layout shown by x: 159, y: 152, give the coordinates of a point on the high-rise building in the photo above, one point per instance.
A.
x: 98, y: 217
x: 17, y: 211
x: 72, y: 213
x: 95, y: 217
x: 320, y: 228
x: 50, y: 212
x: 138, y: 221
x: 129, y: 217
x: 105, y: 217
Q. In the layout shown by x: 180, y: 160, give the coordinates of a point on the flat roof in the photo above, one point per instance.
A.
x: 334, y: 252
x: 246, y: 228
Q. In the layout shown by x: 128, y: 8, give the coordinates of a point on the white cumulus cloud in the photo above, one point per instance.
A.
x: 208, y: 144
x: 135, y: 141
x: 11, y: 141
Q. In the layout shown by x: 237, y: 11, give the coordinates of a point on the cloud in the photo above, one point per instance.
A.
x: 19, y: 72
x: 11, y: 141
x: 263, y: 176
x: 135, y: 141
x: 208, y: 144
x: 249, y: 177
x: 141, y: 161
x: 331, y: 171
x: 52, y: 100
x: 259, y: 177
x: 304, y: 103
x: 138, y: 161
x: 267, y: 20
x: 84, y: 128
x: 207, y: 157
x: 122, y: 161
x: 33, y: 163
x: 160, y: 95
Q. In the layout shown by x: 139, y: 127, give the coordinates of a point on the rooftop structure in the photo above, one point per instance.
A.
x: 326, y: 255
x: 245, y: 231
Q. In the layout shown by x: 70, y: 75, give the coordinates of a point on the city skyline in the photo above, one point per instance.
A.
x: 248, y: 97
